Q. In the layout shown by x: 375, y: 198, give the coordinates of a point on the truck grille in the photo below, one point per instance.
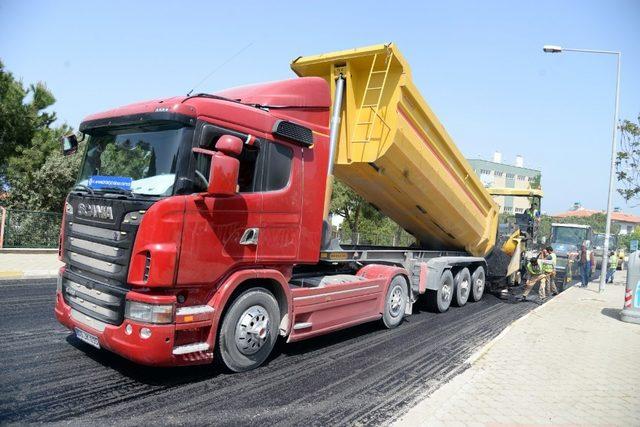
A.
x: 97, y: 254
x: 94, y: 299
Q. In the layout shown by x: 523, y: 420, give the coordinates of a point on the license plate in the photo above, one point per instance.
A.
x: 87, y: 337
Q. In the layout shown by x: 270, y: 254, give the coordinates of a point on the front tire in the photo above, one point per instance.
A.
x: 249, y: 330
x: 395, y: 302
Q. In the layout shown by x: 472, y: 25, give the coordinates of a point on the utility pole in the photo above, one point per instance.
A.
x: 612, y: 169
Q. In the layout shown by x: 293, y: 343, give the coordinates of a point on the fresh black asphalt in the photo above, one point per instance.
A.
x: 363, y: 375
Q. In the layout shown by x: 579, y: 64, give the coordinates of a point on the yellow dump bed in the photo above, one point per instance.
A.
x: 395, y: 153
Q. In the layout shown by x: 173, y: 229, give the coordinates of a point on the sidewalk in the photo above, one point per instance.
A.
x: 22, y: 264
x: 571, y: 361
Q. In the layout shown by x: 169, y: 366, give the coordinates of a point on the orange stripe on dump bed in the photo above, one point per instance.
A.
x: 437, y: 155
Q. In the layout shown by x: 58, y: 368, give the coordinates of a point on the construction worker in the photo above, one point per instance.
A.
x: 612, y: 266
x: 584, y: 265
x: 552, y: 259
x: 535, y: 275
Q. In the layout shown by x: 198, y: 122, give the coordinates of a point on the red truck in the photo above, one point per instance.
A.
x: 198, y: 227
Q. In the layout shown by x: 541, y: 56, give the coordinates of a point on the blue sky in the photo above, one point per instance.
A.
x: 480, y: 65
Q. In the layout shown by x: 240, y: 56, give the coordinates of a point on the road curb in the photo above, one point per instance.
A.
x: 28, y: 251
x: 28, y: 274
x: 485, y: 348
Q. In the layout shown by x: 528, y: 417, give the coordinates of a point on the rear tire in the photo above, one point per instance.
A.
x: 478, y: 284
x: 440, y: 300
x: 462, y: 283
x: 395, y: 302
x: 249, y: 330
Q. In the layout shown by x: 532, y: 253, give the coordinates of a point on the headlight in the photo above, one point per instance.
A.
x: 68, y: 208
x: 148, y: 313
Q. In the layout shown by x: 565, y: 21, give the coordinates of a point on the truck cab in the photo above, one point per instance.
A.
x: 566, y: 240
x: 179, y: 197
x: 598, y: 247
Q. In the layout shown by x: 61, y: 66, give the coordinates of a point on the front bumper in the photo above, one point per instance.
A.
x: 156, y: 350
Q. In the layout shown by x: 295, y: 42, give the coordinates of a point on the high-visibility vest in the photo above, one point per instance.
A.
x: 613, y: 261
x: 533, y: 270
x: 547, y: 266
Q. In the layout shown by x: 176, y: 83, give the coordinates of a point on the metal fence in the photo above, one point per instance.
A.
x: 402, y: 239
x: 30, y: 229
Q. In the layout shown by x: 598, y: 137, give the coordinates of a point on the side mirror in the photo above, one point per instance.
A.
x: 230, y: 145
x: 69, y: 144
x: 223, y: 173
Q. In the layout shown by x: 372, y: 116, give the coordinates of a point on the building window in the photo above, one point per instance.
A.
x: 498, y: 173
x: 519, y: 210
x: 485, y: 172
x: 508, y: 209
x: 510, y: 176
x: 521, y: 178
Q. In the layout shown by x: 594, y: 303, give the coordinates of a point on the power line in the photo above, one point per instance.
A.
x: 231, y: 58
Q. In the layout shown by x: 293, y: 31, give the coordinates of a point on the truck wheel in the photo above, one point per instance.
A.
x: 249, y: 330
x: 562, y: 285
x: 395, y: 303
x: 462, y: 283
x: 440, y: 300
x: 478, y: 284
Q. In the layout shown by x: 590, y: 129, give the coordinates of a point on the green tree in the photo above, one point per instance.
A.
x: 624, y: 241
x: 628, y: 160
x: 536, y: 182
x: 349, y: 205
x: 43, y: 187
x: 361, y: 218
x: 126, y: 162
x: 32, y: 169
x: 22, y: 115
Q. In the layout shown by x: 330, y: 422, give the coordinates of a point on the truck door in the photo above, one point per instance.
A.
x: 282, y: 202
x: 217, y: 230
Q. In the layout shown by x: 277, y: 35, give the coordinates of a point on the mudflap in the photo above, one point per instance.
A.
x: 561, y: 281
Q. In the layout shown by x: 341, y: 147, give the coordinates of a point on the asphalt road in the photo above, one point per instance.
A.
x: 366, y: 374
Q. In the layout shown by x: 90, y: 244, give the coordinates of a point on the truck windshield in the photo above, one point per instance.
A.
x: 131, y: 160
x: 598, y: 241
x: 569, y: 235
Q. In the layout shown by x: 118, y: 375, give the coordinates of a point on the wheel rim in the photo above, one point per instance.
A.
x: 446, y: 292
x: 252, y: 330
x: 464, y: 288
x: 479, y: 286
x: 395, y: 301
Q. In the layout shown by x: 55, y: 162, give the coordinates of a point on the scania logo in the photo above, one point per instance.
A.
x: 95, y: 211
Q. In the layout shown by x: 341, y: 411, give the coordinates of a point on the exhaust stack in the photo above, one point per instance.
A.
x: 334, y: 129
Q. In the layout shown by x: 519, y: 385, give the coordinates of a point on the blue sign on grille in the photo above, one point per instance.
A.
x: 100, y: 181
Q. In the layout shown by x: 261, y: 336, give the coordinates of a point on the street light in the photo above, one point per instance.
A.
x: 607, y: 232
x: 552, y: 49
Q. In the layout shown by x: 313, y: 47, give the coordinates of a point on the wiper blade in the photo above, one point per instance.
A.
x: 83, y: 187
x: 115, y: 190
